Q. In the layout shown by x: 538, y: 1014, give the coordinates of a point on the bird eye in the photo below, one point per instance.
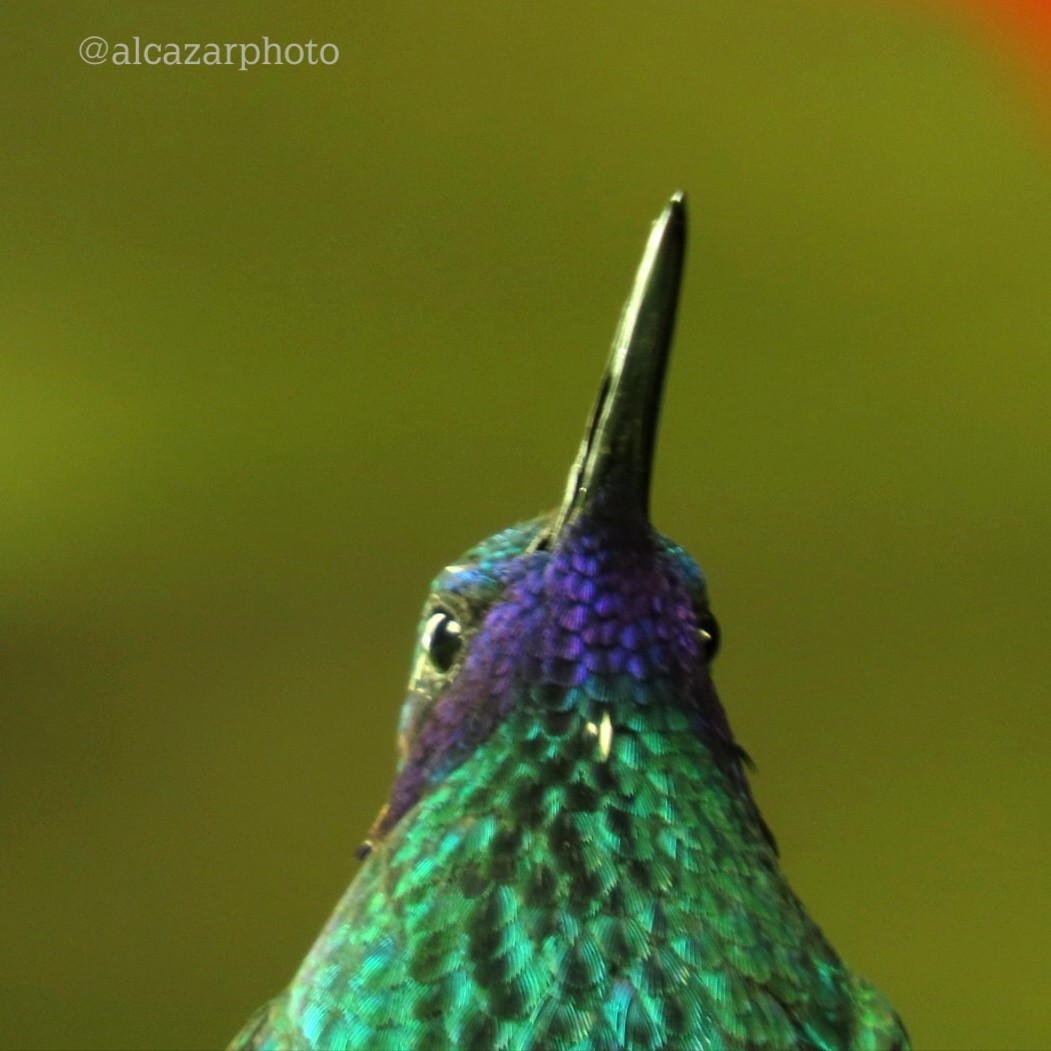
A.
x: 442, y: 639
x: 708, y: 633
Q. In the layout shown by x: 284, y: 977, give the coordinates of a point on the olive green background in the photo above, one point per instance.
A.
x: 275, y: 345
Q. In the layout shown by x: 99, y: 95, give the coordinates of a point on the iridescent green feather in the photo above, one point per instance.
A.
x: 546, y: 897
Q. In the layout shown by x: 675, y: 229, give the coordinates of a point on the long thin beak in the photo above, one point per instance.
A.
x: 613, y: 468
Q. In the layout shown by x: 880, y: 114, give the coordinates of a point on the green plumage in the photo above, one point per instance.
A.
x: 630, y: 903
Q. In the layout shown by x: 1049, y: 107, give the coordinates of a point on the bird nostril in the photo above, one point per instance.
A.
x: 542, y: 542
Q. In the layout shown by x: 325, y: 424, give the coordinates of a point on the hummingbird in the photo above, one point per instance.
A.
x: 571, y: 856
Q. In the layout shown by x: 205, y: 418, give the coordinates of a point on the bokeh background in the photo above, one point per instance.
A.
x: 276, y: 345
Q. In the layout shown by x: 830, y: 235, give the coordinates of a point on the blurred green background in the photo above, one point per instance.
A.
x: 276, y: 345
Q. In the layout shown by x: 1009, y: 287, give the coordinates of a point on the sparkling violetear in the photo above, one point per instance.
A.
x: 571, y: 856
